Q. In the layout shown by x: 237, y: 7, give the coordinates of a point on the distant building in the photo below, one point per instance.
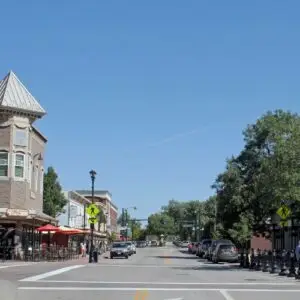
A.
x: 21, y: 164
x: 104, y: 200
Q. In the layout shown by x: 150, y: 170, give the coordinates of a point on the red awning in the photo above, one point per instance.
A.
x: 48, y: 228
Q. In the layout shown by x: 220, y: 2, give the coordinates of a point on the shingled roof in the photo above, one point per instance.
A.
x: 15, y: 96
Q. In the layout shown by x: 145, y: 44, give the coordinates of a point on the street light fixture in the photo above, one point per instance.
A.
x: 93, y: 177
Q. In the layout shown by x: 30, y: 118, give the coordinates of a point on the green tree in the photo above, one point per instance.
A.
x: 54, y: 200
x: 111, y: 237
x: 263, y: 175
x: 160, y: 223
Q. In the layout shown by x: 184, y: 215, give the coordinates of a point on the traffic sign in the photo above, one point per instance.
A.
x: 187, y: 225
x: 92, y: 210
x: 283, y: 212
x: 283, y: 223
x: 92, y: 220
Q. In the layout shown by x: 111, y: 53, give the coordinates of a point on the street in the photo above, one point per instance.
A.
x: 152, y: 274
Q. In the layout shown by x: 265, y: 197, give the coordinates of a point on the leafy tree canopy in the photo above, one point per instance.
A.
x: 54, y: 200
x: 265, y: 174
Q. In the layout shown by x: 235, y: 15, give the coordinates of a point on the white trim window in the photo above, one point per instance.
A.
x: 4, y: 164
x: 21, y: 137
x: 20, y: 165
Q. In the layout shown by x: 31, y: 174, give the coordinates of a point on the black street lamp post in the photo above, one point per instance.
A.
x: 93, y: 177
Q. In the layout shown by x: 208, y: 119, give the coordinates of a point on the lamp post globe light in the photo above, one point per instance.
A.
x: 93, y: 177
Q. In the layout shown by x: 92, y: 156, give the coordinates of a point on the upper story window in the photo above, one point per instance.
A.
x: 21, y: 137
x: 3, y: 164
x: 19, y: 165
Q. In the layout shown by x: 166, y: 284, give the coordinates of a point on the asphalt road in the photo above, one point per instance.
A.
x: 151, y: 274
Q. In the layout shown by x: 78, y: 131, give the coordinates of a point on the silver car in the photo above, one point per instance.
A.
x: 225, y: 252
x: 119, y: 250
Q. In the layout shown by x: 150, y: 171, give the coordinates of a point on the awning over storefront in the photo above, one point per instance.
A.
x: 69, y: 230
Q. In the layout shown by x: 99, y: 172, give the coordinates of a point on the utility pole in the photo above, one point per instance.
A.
x: 93, y: 176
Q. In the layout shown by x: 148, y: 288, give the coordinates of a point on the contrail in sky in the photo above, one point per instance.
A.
x: 174, y: 138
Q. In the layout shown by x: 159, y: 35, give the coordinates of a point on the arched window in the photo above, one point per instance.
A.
x: 3, y: 164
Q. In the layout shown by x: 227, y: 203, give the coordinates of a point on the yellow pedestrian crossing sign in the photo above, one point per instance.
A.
x: 92, y: 220
x: 92, y: 210
x: 283, y: 212
x: 283, y: 223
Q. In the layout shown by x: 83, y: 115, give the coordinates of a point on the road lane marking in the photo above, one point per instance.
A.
x: 226, y: 295
x: 52, y: 273
x: 13, y: 266
x: 172, y: 283
x: 138, y: 266
x: 149, y: 289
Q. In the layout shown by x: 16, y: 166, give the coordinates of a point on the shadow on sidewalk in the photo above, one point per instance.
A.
x: 212, y: 267
x: 174, y: 257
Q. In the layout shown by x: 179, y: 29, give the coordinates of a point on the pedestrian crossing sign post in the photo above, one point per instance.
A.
x: 92, y: 220
x: 283, y: 212
x: 92, y: 210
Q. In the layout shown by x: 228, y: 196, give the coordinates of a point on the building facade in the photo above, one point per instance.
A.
x: 104, y: 200
x: 22, y: 149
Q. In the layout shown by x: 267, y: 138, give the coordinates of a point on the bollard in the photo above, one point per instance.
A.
x: 263, y: 259
x: 298, y: 272
x: 292, y: 270
x: 258, y: 261
x: 242, y: 258
x: 274, y: 267
x: 266, y: 267
x: 283, y: 267
x: 253, y: 260
x: 246, y: 260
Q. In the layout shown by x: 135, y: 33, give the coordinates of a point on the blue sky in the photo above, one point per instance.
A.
x: 153, y: 95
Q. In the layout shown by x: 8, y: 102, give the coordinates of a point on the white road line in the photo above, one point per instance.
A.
x: 226, y: 295
x: 149, y: 289
x: 172, y: 283
x: 12, y: 266
x: 140, y: 266
x: 52, y: 273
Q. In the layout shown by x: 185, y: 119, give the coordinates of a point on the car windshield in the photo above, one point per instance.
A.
x: 128, y: 244
x: 119, y: 245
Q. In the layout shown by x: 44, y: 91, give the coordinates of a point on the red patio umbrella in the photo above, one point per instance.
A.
x: 48, y: 228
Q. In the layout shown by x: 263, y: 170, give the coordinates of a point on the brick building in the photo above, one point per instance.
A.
x: 21, y: 164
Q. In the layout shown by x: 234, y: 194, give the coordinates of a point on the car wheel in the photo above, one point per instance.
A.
x: 111, y: 257
x: 126, y: 257
x: 134, y: 252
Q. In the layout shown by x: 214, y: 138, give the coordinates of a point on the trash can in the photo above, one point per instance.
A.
x: 95, y: 256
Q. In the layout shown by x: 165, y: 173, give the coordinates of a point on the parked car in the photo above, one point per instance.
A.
x: 131, y: 248
x: 184, y: 244
x: 213, y: 246
x: 203, y: 247
x: 119, y: 250
x: 154, y: 243
x: 225, y: 252
x: 141, y: 244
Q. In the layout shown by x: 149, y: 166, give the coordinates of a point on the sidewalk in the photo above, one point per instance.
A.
x: 80, y: 260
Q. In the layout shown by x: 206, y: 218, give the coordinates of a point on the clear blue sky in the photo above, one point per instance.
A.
x: 153, y: 95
